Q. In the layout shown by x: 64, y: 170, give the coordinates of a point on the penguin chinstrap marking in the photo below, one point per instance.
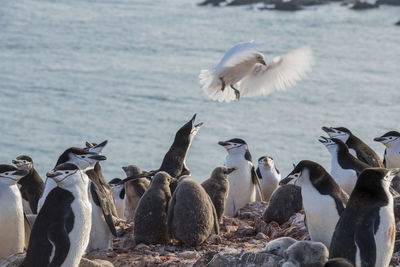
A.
x: 217, y: 187
x: 174, y: 160
x: 104, y: 212
x: 12, y: 232
x: 135, y: 185
x: 32, y: 185
x: 357, y: 148
x: 323, y: 200
x: 152, y: 212
x: 61, y: 231
x: 345, y: 168
x: 77, y: 156
x: 191, y: 214
x: 269, y: 177
x: 244, y: 182
x: 391, y: 140
x: 365, y: 233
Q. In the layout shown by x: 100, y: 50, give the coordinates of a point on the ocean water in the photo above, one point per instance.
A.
x: 126, y: 71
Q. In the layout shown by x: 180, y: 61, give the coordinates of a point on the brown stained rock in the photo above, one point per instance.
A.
x: 242, y: 259
x: 13, y: 260
x: 95, y: 263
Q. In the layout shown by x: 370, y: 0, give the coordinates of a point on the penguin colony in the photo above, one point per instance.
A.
x: 349, y: 210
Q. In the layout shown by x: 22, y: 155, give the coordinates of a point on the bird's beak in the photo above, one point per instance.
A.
x: 323, y: 139
x: 221, y: 143
x: 285, y: 180
x: 16, y: 161
x: 98, y: 148
x: 327, y: 129
x: 230, y: 170
x: 52, y: 174
x: 379, y: 139
x: 263, y: 62
x: 21, y: 172
x: 98, y: 157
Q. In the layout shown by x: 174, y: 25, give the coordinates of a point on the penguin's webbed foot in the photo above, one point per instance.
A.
x: 222, y: 84
x: 237, y: 92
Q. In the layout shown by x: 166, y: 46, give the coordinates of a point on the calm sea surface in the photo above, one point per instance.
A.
x: 126, y: 71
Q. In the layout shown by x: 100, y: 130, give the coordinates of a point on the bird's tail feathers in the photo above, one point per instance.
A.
x: 212, y: 87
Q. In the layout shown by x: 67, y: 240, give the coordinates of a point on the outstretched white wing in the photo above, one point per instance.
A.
x: 279, y: 74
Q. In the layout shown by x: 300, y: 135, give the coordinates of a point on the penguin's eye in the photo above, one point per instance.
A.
x: 390, y: 138
x: 66, y: 172
x: 83, y: 157
x: 6, y: 173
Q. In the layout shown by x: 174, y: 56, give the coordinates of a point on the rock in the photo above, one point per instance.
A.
x: 363, y: 5
x: 395, y: 261
x: 142, y: 246
x: 396, y: 204
x: 241, y: 259
x: 288, y: 6
x: 188, y: 255
x: 279, y: 245
x: 214, y: 239
x: 244, y: 2
x: 95, y: 263
x: 261, y: 236
x: 397, y: 23
x: 388, y: 2
x: 211, y: 2
x: 246, y: 231
x: 284, y: 202
x: 338, y: 262
x: 13, y: 260
x: 306, y: 253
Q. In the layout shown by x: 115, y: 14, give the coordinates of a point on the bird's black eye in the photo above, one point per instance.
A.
x: 66, y: 172
x: 6, y: 173
x: 83, y: 157
x: 390, y: 137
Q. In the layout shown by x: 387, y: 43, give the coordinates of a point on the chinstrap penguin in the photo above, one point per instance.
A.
x: 12, y: 232
x: 345, y: 168
x: 269, y: 177
x: 32, y: 185
x: 152, y: 212
x: 104, y: 212
x: 135, y: 185
x: 244, y: 182
x: 61, y: 231
x: 391, y: 140
x: 323, y: 200
x: 365, y: 233
x: 217, y: 187
x: 357, y: 148
x: 191, y: 214
x: 119, y: 195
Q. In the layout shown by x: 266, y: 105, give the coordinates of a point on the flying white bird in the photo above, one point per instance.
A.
x: 244, y: 69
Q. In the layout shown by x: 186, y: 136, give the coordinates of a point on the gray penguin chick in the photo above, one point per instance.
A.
x: 191, y: 214
x: 217, y: 187
x: 152, y: 212
x: 279, y: 245
x: 306, y: 253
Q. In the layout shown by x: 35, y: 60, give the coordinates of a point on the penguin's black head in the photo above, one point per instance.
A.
x: 62, y: 172
x: 266, y: 162
x: 184, y: 136
x: 10, y: 175
x: 23, y: 162
x: 303, y: 170
x: 375, y: 182
x: 341, y: 133
x: 333, y: 144
x: 235, y: 145
x: 389, y: 139
x: 82, y: 158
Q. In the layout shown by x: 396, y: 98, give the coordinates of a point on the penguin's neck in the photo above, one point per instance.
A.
x: 78, y: 186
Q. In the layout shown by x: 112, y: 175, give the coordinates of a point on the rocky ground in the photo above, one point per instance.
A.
x: 241, y: 242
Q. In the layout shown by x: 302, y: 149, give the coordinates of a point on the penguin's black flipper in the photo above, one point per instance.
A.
x: 384, y: 159
x: 58, y: 236
x: 255, y: 181
x: 108, y: 217
x: 364, y: 239
x: 171, y: 207
x: 259, y: 173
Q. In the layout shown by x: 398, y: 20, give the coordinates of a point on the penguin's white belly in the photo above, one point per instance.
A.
x: 100, y: 235
x: 322, y: 215
x: 385, y: 236
x: 79, y: 236
x: 48, y: 186
x: 119, y: 203
x: 353, y: 152
x: 241, y: 188
x: 392, y: 158
x: 269, y: 183
x: 345, y: 178
x: 12, y: 232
